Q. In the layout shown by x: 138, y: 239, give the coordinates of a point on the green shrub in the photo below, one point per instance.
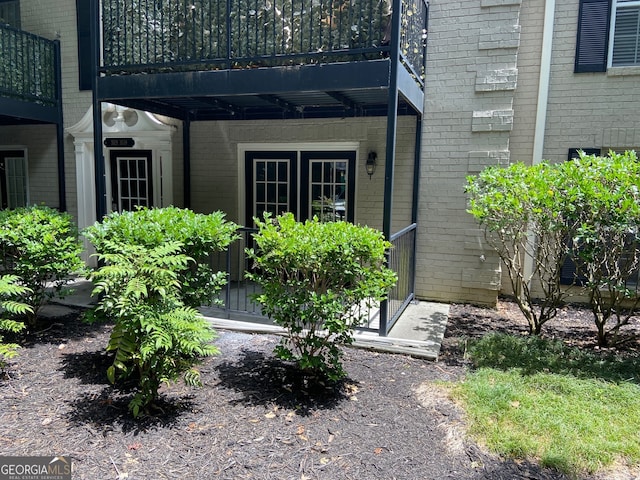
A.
x: 587, y: 210
x: 9, y: 290
x: 156, y: 338
x: 606, y: 242
x: 199, y: 236
x: 314, y: 277
x: 525, y: 219
x: 40, y: 245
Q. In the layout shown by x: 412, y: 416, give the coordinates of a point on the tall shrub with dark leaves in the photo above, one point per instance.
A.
x: 606, y: 243
x: 526, y: 219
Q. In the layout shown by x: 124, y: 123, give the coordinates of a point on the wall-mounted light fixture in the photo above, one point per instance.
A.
x: 371, y: 163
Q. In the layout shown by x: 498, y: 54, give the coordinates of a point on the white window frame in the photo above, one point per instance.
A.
x: 614, y: 13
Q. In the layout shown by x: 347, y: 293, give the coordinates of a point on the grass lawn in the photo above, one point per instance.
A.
x: 570, y: 409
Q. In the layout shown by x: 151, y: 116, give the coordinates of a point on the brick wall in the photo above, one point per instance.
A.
x: 472, y: 74
x: 588, y: 109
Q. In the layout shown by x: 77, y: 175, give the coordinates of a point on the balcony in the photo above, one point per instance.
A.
x: 215, y: 60
x: 30, y: 83
x: 251, y: 59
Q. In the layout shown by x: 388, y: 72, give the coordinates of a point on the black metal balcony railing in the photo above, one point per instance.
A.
x: 237, y: 296
x: 29, y: 67
x: 170, y: 35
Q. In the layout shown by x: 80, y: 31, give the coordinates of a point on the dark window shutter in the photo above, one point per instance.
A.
x: 592, y: 44
x: 85, y: 53
x: 568, y: 274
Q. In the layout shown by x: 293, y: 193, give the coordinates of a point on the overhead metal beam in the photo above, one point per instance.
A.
x: 346, y: 101
x: 371, y: 74
x: 217, y: 103
x: 410, y: 90
x: 28, y: 112
x: 283, y: 104
x: 154, y: 106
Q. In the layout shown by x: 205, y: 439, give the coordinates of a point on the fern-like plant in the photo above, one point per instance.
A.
x: 156, y: 338
x: 9, y: 290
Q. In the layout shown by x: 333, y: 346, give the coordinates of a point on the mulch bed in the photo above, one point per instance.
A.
x: 254, y: 418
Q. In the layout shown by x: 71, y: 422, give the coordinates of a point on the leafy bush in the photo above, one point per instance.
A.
x: 587, y: 210
x: 199, y: 236
x: 606, y: 249
x: 156, y: 337
x: 9, y: 290
x: 40, y: 245
x: 524, y: 216
x: 314, y: 277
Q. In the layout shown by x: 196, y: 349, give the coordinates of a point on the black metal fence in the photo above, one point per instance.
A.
x: 28, y: 66
x: 402, y: 261
x: 237, y: 296
x: 168, y: 35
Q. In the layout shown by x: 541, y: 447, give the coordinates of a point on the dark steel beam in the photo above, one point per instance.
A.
x: 154, y: 106
x: 346, y: 101
x: 410, y: 90
x: 283, y: 104
x: 28, y: 112
x: 392, y: 117
x: 186, y: 161
x: 219, y: 104
x: 62, y: 185
x: 372, y: 74
x: 98, y: 153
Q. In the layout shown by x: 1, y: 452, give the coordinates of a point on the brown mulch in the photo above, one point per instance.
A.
x: 254, y: 418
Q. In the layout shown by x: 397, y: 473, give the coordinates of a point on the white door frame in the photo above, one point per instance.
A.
x: 147, y: 132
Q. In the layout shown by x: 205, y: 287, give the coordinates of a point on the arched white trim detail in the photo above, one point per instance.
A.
x: 148, y: 133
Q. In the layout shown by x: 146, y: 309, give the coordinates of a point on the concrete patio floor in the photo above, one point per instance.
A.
x: 418, y: 331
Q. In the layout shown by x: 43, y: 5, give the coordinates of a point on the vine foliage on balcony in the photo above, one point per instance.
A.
x: 249, y: 32
x: 28, y: 63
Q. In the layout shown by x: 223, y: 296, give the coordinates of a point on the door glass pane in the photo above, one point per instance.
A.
x: 328, y: 187
x: 316, y: 172
x: 271, y: 187
x: 283, y: 172
x: 271, y: 171
x: 271, y: 193
x: 16, y: 182
x: 133, y: 181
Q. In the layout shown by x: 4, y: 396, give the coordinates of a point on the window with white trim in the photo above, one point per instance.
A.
x: 624, y: 47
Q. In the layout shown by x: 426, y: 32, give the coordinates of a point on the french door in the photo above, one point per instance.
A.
x: 306, y: 183
x: 271, y: 183
x: 13, y: 179
x: 131, y: 181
